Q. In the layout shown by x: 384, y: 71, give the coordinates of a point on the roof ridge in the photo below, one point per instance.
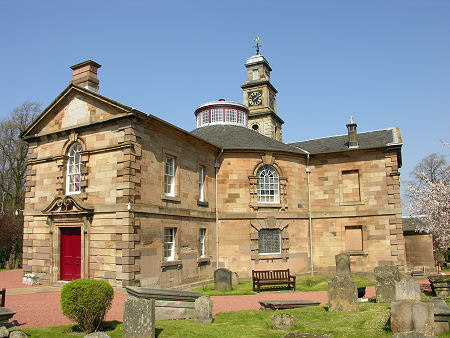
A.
x: 364, y: 132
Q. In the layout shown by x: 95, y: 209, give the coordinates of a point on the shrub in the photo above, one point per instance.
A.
x: 86, y: 301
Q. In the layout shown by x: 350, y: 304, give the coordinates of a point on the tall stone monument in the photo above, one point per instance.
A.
x: 342, y: 289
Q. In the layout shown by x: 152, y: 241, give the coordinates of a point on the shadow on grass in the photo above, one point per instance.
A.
x: 107, y: 326
x: 158, y: 332
x: 387, y: 326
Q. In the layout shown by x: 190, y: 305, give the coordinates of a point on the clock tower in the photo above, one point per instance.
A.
x: 260, y: 98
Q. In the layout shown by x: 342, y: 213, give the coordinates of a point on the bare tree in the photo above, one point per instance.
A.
x: 432, y: 167
x: 13, y: 156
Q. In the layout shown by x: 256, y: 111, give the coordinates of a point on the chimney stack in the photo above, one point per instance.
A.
x: 85, y: 75
x: 352, y: 140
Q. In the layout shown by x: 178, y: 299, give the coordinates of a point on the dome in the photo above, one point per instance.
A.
x: 221, y: 112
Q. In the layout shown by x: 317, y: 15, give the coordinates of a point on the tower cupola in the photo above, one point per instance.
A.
x: 221, y: 112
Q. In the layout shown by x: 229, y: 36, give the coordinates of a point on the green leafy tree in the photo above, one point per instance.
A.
x: 13, y: 166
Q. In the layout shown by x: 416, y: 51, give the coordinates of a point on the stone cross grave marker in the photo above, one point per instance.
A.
x: 222, y: 280
x: 385, y: 278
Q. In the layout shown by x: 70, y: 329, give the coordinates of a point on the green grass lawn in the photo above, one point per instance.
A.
x: 370, y: 321
x: 305, y: 284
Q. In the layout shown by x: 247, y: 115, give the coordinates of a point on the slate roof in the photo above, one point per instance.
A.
x: 371, y: 139
x: 236, y: 137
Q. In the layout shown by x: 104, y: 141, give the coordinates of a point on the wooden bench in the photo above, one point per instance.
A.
x: 272, y: 277
x: 3, y: 296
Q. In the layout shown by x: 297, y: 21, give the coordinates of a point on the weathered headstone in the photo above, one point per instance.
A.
x: 139, y: 318
x: 306, y: 335
x: 203, y: 310
x: 385, y: 278
x: 235, y: 278
x: 342, y: 294
x: 343, y: 265
x: 3, y: 332
x: 411, y: 334
x: 441, y: 315
x: 282, y: 321
x: 407, y: 290
x: 18, y: 334
x: 222, y: 280
x: 97, y: 335
x: 412, y: 315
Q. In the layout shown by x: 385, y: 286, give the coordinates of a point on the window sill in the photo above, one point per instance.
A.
x: 270, y: 256
x: 203, y: 261
x: 169, y: 198
x: 356, y: 253
x: 202, y: 203
x: 352, y: 203
x: 175, y: 263
x: 257, y: 206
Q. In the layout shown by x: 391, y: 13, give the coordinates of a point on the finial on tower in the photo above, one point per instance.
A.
x: 257, y: 46
x: 351, y: 119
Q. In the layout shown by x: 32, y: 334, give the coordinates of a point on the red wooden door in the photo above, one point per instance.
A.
x: 70, y: 253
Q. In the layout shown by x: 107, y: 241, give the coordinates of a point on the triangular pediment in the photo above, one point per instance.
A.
x: 73, y: 108
x: 66, y: 204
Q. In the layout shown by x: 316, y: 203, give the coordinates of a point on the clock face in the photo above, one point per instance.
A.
x: 255, y: 98
x: 272, y: 101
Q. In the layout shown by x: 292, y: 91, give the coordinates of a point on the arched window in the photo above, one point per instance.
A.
x: 268, y: 189
x: 73, y: 177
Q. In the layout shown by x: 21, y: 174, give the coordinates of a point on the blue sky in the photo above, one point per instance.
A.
x: 387, y: 63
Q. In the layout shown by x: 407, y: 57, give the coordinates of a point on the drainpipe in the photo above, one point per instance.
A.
x: 308, y: 173
x: 216, y: 167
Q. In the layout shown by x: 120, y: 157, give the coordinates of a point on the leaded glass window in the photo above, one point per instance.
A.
x: 241, y: 118
x: 199, y: 120
x: 269, y: 241
x: 205, y: 117
x: 216, y: 115
x: 201, y: 181
x: 230, y: 115
x: 268, y: 188
x: 73, y: 178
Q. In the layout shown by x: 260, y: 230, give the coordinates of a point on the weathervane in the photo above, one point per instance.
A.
x: 257, y: 45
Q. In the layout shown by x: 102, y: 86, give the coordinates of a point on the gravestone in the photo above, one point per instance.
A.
x: 306, y: 335
x: 411, y: 334
x: 385, y: 278
x: 343, y: 265
x: 342, y: 294
x: 407, y: 290
x: 203, y: 310
x: 283, y: 321
x: 235, y: 278
x: 441, y: 315
x: 97, y: 335
x: 222, y: 280
x: 342, y: 289
x: 412, y: 315
x: 139, y: 318
x: 3, y: 332
x: 18, y: 334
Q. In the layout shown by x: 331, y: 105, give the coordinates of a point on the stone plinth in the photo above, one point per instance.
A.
x: 342, y: 294
x: 169, y: 304
x: 440, y: 284
x: 385, y: 278
x: 5, y: 315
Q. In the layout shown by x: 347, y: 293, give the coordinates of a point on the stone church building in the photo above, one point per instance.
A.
x: 114, y: 193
